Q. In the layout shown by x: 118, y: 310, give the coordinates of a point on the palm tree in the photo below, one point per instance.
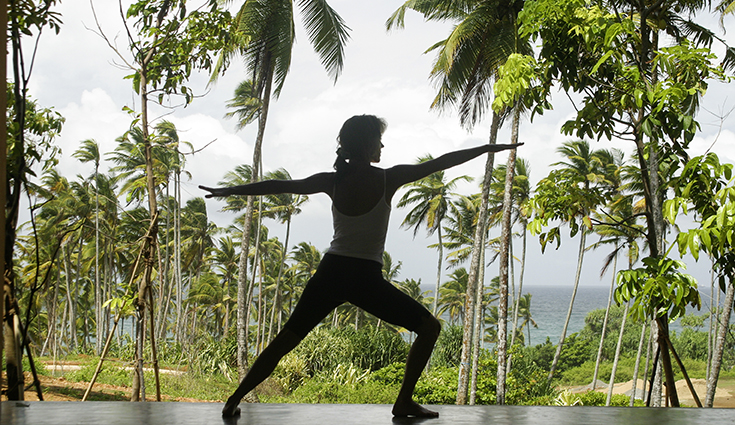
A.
x: 90, y: 152
x: 581, y: 168
x: 451, y: 295
x: 431, y: 201
x: 264, y: 35
x: 520, y: 214
x: 621, y: 232
x: 245, y: 104
x: 225, y: 260
x: 524, y: 313
x: 282, y: 207
x: 467, y: 63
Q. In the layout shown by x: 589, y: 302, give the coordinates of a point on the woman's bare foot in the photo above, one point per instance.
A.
x: 231, y: 408
x: 411, y: 408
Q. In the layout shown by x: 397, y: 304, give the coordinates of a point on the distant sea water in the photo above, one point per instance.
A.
x: 549, y: 305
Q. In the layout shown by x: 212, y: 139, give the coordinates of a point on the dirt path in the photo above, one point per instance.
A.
x: 59, y: 389
x: 724, y: 396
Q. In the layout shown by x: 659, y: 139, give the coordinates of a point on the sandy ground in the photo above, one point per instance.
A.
x: 724, y: 396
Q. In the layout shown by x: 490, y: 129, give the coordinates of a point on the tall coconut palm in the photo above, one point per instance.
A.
x: 431, y: 200
x: 451, y: 295
x: 245, y: 104
x: 225, y: 260
x: 581, y: 169
x: 485, y: 35
x: 89, y: 152
x: 282, y: 207
x: 524, y: 313
x: 264, y: 35
x: 521, y: 212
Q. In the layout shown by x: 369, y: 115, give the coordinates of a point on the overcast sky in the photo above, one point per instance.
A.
x: 385, y: 74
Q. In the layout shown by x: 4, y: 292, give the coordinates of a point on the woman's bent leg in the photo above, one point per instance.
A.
x: 263, y: 366
x: 418, y: 356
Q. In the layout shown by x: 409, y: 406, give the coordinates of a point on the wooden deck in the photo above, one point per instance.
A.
x: 119, y: 413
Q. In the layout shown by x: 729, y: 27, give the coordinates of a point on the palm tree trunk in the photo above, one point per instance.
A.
x: 580, y: 259
x: 464, y: 370
x: 97, y: 287
x: 477, y: 332
x: 280, y: 274
x: 720, y: 345
x: 617, y: 355
x: 70, y: 296
x: 242, y: 360
x: 438, y: 269
x: 637, y: 367
x: 520, y: 290
x: 505, y: 241
x: 604, y: 321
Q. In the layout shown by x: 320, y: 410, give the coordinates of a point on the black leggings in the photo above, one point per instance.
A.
x: 340, y: 279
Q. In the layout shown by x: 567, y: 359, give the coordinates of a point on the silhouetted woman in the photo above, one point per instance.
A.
x: 351, y: 270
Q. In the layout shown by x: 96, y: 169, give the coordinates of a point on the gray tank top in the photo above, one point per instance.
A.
x: 361, y: 236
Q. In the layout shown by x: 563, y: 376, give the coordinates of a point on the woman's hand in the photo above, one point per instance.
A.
x: 501, y: 147
x: 215, y: 192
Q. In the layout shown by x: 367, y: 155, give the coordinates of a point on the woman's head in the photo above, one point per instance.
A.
x: 359, y: 138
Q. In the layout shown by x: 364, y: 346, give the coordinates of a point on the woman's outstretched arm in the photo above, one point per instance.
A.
x: 402, y: 174
x: 321, y: 182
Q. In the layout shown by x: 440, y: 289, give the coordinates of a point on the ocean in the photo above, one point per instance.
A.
x: 549, y: 305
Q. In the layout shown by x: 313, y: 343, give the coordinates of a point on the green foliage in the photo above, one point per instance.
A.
x: 183, y: 40
x: 708, y: 185
x: 658, y: 289
x: 111, y: 374
x: 437, y: 386
x: 40, y: 127
x: 391, y: 374
x: 325, y: 391
x: 448, y: 350
x: 368, y: 348
x: 215, y: 357
x: 527, y: 380
x: 597, y: 398
x: 690, y: 344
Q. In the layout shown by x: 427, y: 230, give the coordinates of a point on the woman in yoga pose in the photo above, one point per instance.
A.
x: 350, y: 271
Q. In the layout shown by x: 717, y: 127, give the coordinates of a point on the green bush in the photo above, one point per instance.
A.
x: 324, y: 391
x: 437, y: 386
x: 390, y: 375
x: 596, y: 398
x: 448, y: 350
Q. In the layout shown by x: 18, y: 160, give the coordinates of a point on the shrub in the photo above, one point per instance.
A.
x: 448, y: 350
x: 391, y: 374
x: 437, y: 386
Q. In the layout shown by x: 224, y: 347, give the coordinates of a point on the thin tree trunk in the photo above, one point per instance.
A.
x: 177, y: 260
x: 637, y: 367
x: 604, y: 322
x: 505, y: 241
x: 477, y: 332
x: 280, y: 274
x: 580, y: 258
x: 438, y: 269
x: 617, y: 355
x: 520, y: 291
x: 464, y: 370
x: 70, y: 300
x: 720, y: 345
